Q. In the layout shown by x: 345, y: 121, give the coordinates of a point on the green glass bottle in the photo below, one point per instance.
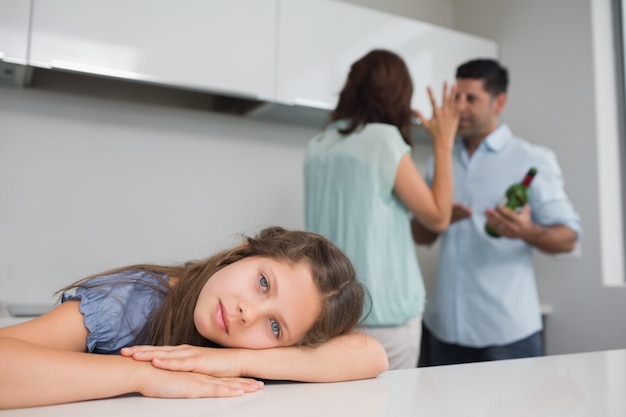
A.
x: 516, y: 196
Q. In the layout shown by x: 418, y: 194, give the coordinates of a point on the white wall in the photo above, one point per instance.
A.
x: 88, y: 184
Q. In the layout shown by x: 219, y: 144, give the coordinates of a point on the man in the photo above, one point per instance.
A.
x: 484, y: 304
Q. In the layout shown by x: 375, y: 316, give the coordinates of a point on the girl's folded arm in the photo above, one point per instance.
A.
x: 32, y: 375
x: 343, y: 358
x: 44, y: 362
x: 348, y: 357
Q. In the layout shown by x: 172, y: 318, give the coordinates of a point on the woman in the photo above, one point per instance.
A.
x: 286, y: 302
x: 362, y: 187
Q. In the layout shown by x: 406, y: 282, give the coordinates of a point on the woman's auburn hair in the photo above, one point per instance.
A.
x: 378, y: 89
x: 342, y: 295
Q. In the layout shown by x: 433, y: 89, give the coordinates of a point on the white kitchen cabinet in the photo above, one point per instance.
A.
x: 14, y: 17
x: 221, y: 46
x: 320, y: 39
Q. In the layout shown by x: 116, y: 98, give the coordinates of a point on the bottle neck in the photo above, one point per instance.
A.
x: 528, y: 178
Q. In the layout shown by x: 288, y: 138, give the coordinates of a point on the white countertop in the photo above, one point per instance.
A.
x: 25, y: 312
x: 577, y: 385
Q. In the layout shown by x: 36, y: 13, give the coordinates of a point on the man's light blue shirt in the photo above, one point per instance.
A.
x: 349, y: 198
x: 485, y: 293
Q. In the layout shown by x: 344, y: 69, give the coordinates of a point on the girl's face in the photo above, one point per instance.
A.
x: 258, y: 303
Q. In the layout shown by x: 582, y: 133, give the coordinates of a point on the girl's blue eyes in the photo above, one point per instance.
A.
x: 275, y: 326
x: 264, y: 284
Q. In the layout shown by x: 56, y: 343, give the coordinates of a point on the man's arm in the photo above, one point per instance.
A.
x: 424, y: 236
x: 421, y: 234
x: 551, y: 239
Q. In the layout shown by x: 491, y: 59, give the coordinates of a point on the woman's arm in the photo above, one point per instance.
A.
x: 432, y: 206
x: 43, y: 362
x: 349, y: 357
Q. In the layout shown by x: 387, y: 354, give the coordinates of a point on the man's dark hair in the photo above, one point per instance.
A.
x: 494, y: 75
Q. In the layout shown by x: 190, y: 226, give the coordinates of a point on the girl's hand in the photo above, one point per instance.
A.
x: 442, y: 126
x: 204, y: 360
x: 173, y: 384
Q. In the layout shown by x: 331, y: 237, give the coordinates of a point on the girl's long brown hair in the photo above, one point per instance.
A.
x: 378, y: 90
x: 341, y: 293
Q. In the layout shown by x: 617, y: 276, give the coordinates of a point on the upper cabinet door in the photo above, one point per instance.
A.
x: 14, y: 17
x: 222, y: 46
x: 320, y: 39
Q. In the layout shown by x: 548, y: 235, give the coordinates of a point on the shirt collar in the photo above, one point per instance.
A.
x: 498, y: 139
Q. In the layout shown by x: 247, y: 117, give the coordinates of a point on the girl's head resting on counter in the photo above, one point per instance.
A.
x: 278, y: 288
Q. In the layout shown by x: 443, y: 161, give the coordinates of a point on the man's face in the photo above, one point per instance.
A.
x: 478, y: 109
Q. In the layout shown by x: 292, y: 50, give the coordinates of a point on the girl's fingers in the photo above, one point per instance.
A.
x: 143, y: 348
x: 174, y: 354
x: 127, y: 351
x: 147, y: 353
x: 244, y: 384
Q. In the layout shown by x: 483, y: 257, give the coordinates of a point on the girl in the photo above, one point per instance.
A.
x: 286, y: 302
